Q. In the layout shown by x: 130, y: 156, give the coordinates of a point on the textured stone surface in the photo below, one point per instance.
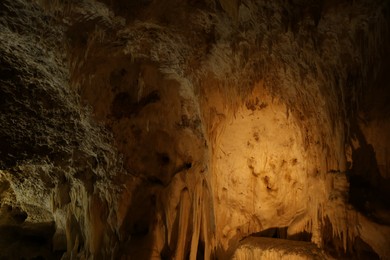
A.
x: 270, y: 248
x: 174, y: 129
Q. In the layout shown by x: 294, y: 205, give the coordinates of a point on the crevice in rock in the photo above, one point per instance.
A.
x: 272, y: 233
x: 367, y: 186
x: 27, y: 241
x: 123, y: 106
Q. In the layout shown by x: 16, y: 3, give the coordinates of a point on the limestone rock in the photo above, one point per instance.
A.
x: 194, y: 129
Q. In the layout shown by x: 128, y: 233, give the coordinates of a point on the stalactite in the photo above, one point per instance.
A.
x: 184, y: 219
x: 207, y: 223
x: 196, y: 219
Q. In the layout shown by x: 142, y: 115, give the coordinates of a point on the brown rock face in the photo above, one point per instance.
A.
x: 194, y: 129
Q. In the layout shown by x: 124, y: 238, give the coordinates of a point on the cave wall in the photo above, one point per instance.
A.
x: 175, y: 129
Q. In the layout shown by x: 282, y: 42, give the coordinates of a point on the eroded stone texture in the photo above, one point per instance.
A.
x: 175, y: 129
x: 268, y: 248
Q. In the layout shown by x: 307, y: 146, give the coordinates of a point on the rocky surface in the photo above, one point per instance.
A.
x: 271, y: 248
x: 175, y: 129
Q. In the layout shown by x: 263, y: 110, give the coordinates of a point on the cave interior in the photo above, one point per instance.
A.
x: 194, y: 129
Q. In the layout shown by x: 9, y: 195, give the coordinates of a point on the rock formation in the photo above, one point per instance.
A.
x: 182, y: 129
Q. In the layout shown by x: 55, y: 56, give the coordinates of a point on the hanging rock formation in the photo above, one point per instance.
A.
x: 182, y: 129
